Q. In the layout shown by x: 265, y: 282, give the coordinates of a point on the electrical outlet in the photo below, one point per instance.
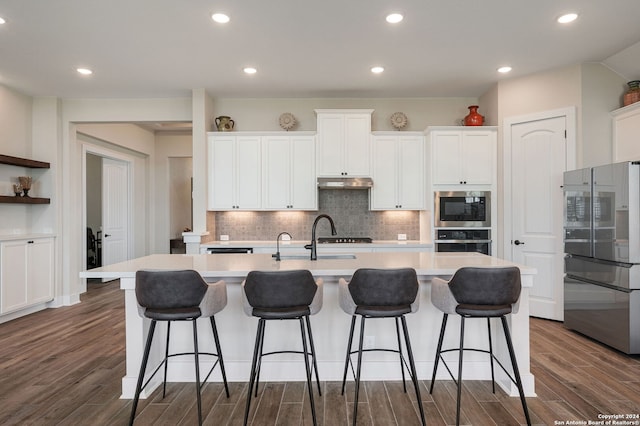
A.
x: 369, y: 342
x: 402, y: 237
x: 224, y: 238
x: 286, y: 237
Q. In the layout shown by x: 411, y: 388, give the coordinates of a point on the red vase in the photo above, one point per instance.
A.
x: 473, y: 118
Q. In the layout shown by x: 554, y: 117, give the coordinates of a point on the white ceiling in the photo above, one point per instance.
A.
x: 303, y: 48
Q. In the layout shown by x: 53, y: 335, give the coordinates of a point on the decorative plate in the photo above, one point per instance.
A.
x: 398, y: 120
x: 287, y: 121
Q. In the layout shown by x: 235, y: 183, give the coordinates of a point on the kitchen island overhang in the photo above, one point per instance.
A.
x: 330, y: 325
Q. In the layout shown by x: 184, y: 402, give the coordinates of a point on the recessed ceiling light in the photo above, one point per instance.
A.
x: 377, y: 70
x: 569, y: 17
x: 250, y: 70
x: 504, y: 70
x: 394, y: 18
x: 2, y: 21
x: 84, y: 71
x: 220, y: 18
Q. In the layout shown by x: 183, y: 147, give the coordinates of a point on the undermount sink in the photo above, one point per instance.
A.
x: 320, y: 256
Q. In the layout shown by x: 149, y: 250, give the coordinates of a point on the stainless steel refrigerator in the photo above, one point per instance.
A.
x: 602, y: 246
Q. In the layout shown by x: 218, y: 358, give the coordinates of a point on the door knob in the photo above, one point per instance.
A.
x: 107, y: 235
x: 518, y: 242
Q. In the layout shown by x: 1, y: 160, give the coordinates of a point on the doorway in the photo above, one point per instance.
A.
x: 107, y: 217
x: 538, y: 149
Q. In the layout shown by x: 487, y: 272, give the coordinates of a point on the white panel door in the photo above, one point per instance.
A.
x: 115, y: 211
x: 538, y: 161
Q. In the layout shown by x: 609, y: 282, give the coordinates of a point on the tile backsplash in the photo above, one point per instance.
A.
x: 349, y: 209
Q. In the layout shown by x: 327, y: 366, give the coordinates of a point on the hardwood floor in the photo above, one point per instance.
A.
x: 63, y: 367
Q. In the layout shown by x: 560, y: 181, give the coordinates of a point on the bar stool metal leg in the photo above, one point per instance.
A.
x: 252, y: 377
x: 195, y: 354
x: 516, y: 371
x: 313, y: 353
x: 143, y: 367
x: 460, y: 370
x: 359, y: 369
x: 219, y: 352
x: 438, y: 351
x: 166, y: 358
x: 414, y: 375
x: 308, y: 370
x: 347, y: 360
x: 493, y: 378
x: 404, y: 382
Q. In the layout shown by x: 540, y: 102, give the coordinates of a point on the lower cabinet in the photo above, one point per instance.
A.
x: 26, y: 273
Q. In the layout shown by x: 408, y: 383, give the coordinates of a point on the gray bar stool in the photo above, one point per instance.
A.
x: 478, y: 293
x: 282, y: 295
x: 380, y: 293
x: 178, y: 296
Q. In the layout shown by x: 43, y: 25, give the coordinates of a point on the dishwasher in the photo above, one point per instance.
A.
x: 229, y: 250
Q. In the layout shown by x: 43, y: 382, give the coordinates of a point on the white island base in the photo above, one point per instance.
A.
x: 330, y: 326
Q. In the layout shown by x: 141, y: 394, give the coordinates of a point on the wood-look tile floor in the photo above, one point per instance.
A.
x: 64, y: 367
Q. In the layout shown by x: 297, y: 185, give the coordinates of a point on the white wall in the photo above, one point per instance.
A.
x: 602, y: 91
x: 15, y: 140
x: 263, y: 114
x: 173, y: 171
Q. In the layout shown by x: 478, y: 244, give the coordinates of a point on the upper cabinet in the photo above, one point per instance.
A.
x: 262, y: 171
x: 399, y: 171
x: 234, y: 172
x: 626, y: 127
x: 344, y: 142
x: 461, y: 156
x: 288, y: 163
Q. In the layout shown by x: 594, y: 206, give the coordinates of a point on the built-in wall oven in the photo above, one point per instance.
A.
x: 462, y: 209
x: 463, y: 240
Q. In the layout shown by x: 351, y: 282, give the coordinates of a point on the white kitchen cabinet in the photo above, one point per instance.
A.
x: 235, y: 172
x: 289, y: 172
x: 399, y: 172
x: 26, y: 273
x: 344, y: 143
x: 463, y: 157
x: 626, y: 128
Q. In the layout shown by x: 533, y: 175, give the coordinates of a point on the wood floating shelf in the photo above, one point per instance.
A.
x: 23, y: 162
x: 24, y: 200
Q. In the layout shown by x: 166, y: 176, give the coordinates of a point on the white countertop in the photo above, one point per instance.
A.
x: 323, y: 246
x: 239, y: 265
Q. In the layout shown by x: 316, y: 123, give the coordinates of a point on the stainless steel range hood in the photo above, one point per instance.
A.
x: 345, y: 183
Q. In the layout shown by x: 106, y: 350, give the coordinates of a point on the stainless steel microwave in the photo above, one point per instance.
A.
x: 463, y: 209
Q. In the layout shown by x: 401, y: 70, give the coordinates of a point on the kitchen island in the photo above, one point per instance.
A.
x: 330, y: 325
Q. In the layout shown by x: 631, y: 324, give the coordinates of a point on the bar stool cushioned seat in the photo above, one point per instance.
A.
x: 380, y: 293
x: 178, y: 296
x: 282, y: 295
x: 478, y: 293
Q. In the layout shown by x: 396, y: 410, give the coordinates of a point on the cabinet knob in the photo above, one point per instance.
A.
x: 29, y: 242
